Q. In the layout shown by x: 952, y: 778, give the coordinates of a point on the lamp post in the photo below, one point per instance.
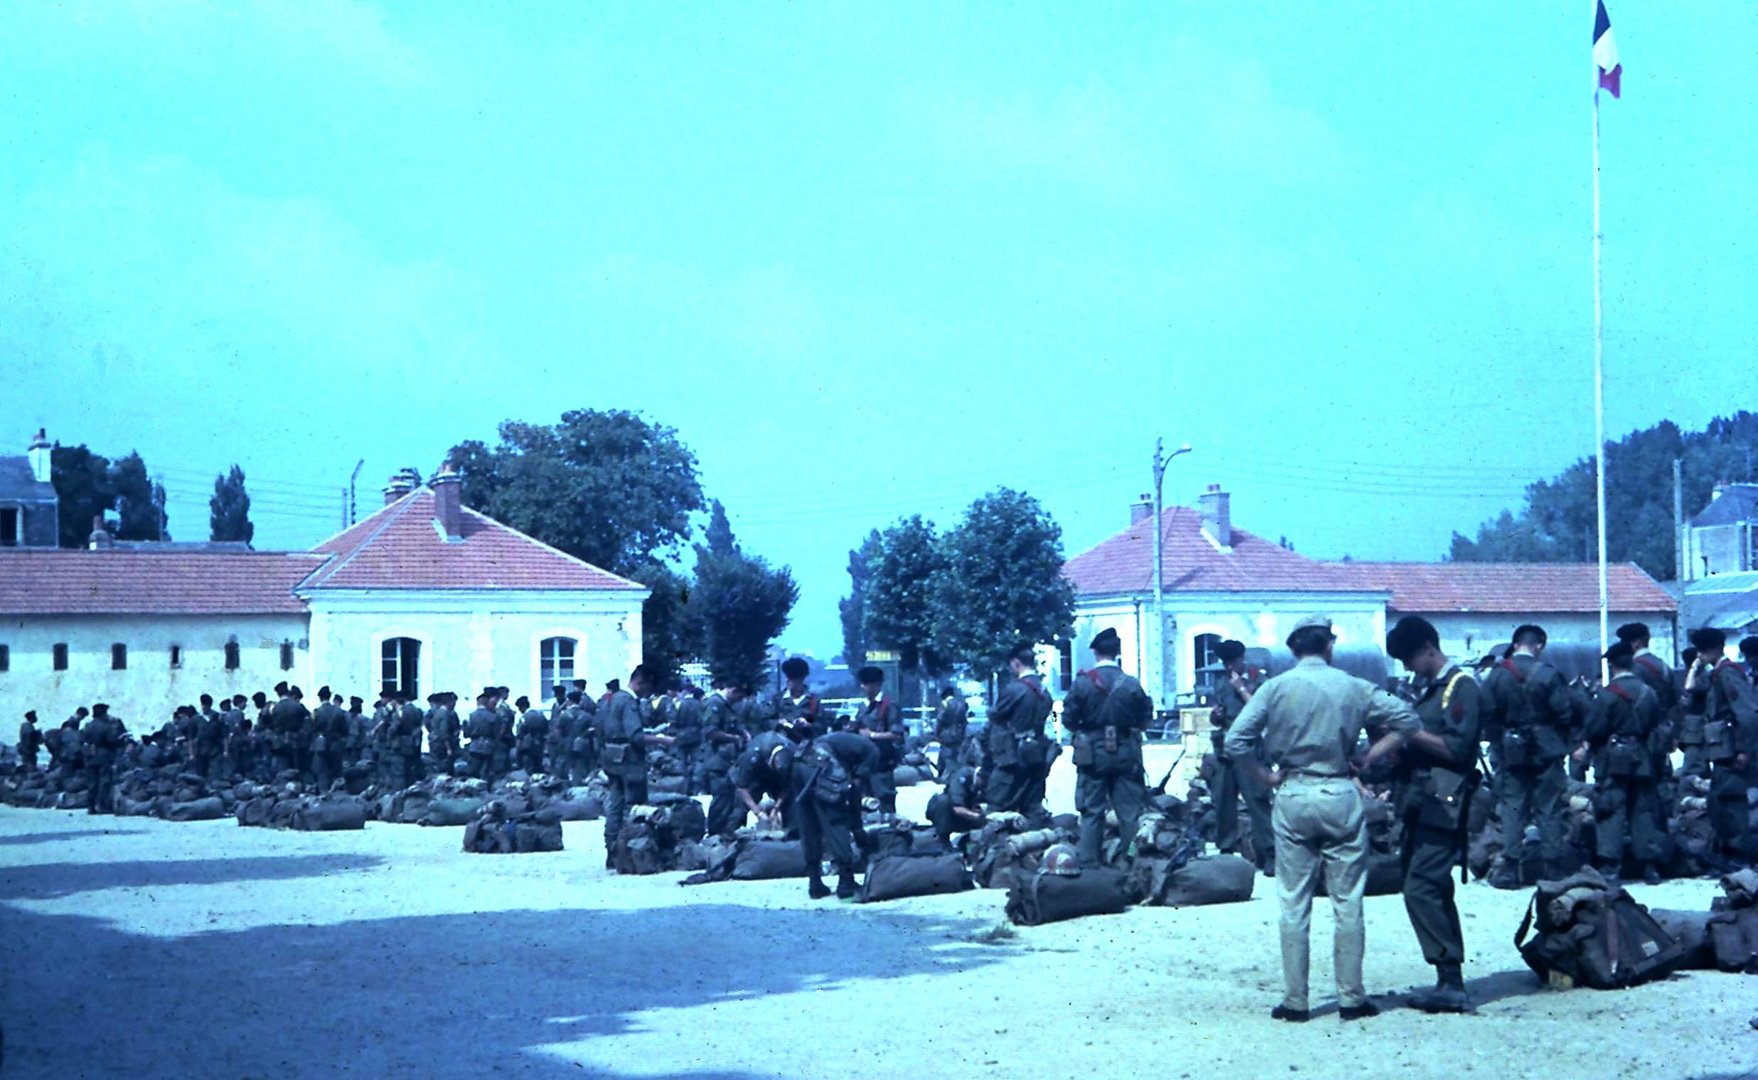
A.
x: 1161, y: 460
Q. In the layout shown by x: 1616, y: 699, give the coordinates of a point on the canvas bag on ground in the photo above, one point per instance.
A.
x: 893, y: 877
x: 1037, y: 897
x: 1592, y: 936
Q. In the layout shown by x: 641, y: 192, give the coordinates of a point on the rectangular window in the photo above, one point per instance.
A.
x: 58, y: 656
x: 231, y: 656
x: 118, y: 657
x: 5, y: 658
x: 400, y: 665
x: 286, y: 656
x: 11, y: 533
x: 555, y: 664
x: 176, y: 656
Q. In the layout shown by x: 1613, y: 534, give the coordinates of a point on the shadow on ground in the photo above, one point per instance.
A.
x: 50, y: 881
x: 58, y: 837
x: 448, y: 995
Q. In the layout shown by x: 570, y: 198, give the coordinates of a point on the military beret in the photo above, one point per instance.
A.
x: 1633, y: 631
x: 487, y: 691
x: 523, y: 702
x: 295, y: 692
x: 1229, y: 651
x: 795, y: 667
x: 1708, y: 639
x: 100, y: 709
x: 1409, y: 636
x: 31, y: 716
x: 1622, y: 654
x: 1528, y: 631
x: 354, y: 700
x: 323, y: 691
x: 573, y: 695
x: 870, y: 676
x: 1107, y: 642
x: 1025, y: 654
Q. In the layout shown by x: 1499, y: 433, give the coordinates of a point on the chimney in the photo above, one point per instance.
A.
x: 1217, y: 515
x: 100, y: 540
x: 448, y: 511
x: 1141, y: 510
x: 39, y: 458
x: 403, y: 481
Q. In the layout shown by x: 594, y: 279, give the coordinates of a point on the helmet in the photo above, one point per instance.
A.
x: 1062, y: 860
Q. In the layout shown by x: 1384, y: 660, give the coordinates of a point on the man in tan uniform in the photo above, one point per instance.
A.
x: 1309, y: 721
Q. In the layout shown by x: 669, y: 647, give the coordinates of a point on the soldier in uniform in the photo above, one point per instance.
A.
x: 533, y: 735
x: 442, y: 740
x: 1730, y: 742
x: 101, y: 741
x: 1309, y: 719
x: 725, y: 741
x: 951, y: 726
x: 1106, y: 712
x: 624, y: 741
x: 795, y: 702
x: 1435, y: 779
x: 1534, y: 710
x: 1238, y: 682
x: 323, y: 746
x: 1015, y: 737
x: 829, y: 774
x: 30, y: 740
x: 881, y: 720
x: 686, y: 727
x: 958, y: 806
x: 506, y: 725
x: 1621, y: 731
x: 480, y: 731
x: 765, y: 770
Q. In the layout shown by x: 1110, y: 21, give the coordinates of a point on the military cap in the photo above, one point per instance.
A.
x: 323, y: 691
x: 1622, y: 654
x: 207, y: 699
x: 280, y: 688
x: 1321, y: 622
x: 946, y: 691
x: 523, y: 702
x: 100, y: 709
x: 1530, y: 630
x: 354, y: 700
x: 1409, y: 636
x: 295, y: 692
x: 259, y: 697
x: 1708, y: 639
x: 795, y: 667
x: 870, y: 676
x: 1633, y: 631
x: 573, y: 695
x: 31, y: 716
x: 1106, y: 642
x: 1229, y: 651
x: 488, y: 691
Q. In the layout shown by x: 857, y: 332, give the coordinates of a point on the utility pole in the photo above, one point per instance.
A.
x: 349, y: 517
x: 1678, y: 520
x: 1161, y: 459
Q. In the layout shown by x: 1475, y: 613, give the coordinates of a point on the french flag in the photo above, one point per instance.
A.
x: 1605, y: 52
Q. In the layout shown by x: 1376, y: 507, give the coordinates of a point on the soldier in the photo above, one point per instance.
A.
x: 765, y: 770
x: 480, y: 731
x: 359, y: 730
x: 1534, y: 711
x: 951, y: 725
x: 880, y: 719
x: 1435, y: 778
x: 625, y: 742
x: 244, y: 748
x: 576, y: 739
x: 1621, y: 731
x: 687, y: 729
x: 795, y: 702
x: 506, y: 723
x: 1693, y: 697
x: 30, y: 740
x: 958, y: 806
x: 442, y: 731
x: 210, y: 742
x: 725, y: 741
x: 101, y: 740
x: 1730, y: 741
x: 1239, y: 681
x: 1106, y: 712
x: 533, y: 735
x: 1015, y: 738
x: 409, y: 722
x: 829, y: 774
x: 322, y: 745
x: 1310, y: 719
x: 286, y: 718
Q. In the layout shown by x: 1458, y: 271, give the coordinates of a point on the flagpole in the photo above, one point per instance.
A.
x: 1599, y: 394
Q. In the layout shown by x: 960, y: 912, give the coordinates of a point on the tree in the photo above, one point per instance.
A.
x: 665, y: 623
x: 852, y: 607
x: 140, y: 501
x: 1001, y: 581
x: 82, y: 490
x: 606, y: 487
x: 739, y: 603
x: 229, y: 509
x: 898, y: 610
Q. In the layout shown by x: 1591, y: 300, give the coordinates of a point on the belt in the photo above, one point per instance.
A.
x: 1313, y: 774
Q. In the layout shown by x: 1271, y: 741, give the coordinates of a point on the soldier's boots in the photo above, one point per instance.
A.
x: 817, y: 890
x: 1447, y: 995
x: 1650, y: 875
x: 845, y: 886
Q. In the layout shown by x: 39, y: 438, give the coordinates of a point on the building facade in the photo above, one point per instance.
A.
x: 29, y: 510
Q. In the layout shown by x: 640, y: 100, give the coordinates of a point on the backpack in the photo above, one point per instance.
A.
x: 1593, y: 936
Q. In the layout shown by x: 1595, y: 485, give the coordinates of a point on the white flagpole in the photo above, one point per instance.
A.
x: 1599, y: 393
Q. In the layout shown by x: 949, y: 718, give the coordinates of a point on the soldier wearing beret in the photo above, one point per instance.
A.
x: 1730, y: 743
x: 881, y: 719
x: 1107, y: 711
x: 1621, y: 730
x: 1530, y: 704
x: 1238, y: 682
x: 951, y: 727
x: 795, y: 702
x: 30, y: 740
x: 1017, y: 749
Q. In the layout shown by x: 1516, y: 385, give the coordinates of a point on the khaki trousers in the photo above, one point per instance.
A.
x: 1320, y: 825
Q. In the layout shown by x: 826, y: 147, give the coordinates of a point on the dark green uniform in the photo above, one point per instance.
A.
x: 962, y: 792
x: 1432, y: 798
x: 725, y: 740
x: 480, y: 730
x: 686, y: 728
x: 1626, y: 798
x: 100, y: 742
x: 788, y: 709
x: 1017, y: 750
x: 1534, y: 711
x: 828, y: 777
x: 624, y: 753
x: 1730, y: 744
x: 533, y: 737
x: 881, y: 716
x: 327, y: 720
x: 1233, y: 779
x: 951, y: 726
x: 1107, y: 711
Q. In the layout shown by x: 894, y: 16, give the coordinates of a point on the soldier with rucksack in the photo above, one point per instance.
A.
x: 621, y: 725
x: 533, y: 735
x: 100, y: 741
x: 1018, y: 751
x: 1621, y: 731
x: 1532, y: 707
x: 829, y: 775
x: 1730, y: 745
x: 1107, y: 711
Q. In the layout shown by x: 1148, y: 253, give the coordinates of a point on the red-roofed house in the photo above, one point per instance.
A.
x: 425, y: 595
x: 1220, y: 582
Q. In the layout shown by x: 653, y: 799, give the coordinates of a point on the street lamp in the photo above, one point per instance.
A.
x: 1161, y: 459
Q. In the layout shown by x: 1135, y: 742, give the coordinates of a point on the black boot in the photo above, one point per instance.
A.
x: 1448, y: 994
x: 845, y: 886
x: 817, y: 889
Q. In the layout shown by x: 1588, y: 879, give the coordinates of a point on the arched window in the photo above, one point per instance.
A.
x: 555, y: 663
x: 400, y: 665
x: 1203, y: 652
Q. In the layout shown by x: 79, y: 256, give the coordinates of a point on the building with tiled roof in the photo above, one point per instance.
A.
x: 423, y: 595
x: 1722, y: 538
x: 29, y: 509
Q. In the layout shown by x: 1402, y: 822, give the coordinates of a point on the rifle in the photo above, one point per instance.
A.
x: 1160, y: 788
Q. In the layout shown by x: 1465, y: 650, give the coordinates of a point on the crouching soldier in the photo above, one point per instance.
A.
x: 1626, y: 798
x: 766, y: 770
x: 958, y: 807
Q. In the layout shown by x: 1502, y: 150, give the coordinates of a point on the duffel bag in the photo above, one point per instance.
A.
x: 1691, y: 930
x: 414, y: 808
x: 452, y: 811
x: 1217, y: 879
x: 668, y: 785
x: 684, y: 822
x: 906, y: 776
x: 532, y: 836
x: 255, y: 813
x: 766, y: 860
x: 207, y: 809
x: 73, y: 800
x: 637, y: 851
x: 1036, y: 898
x: 331, y: 815
x: 127, y: 807
x: 581, y: 809
x: 1733, y: 939
x: 894, y: 877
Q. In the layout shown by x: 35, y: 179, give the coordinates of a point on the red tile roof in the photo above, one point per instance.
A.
x: 54, y: 581
x: 1195, y: 563
x: 1514, y: 588
x: 400, y: 547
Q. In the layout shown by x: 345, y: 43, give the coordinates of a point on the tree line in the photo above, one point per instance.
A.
x: 89, y: 486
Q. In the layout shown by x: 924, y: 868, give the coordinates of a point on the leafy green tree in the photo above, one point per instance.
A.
x: 666, y: 641
x: 852, y: 607
x: 82, y: 490
x: 229, y: 508
x: 607, y: 487
x: 739, y: 602
x: 140, y: 501
x: 898, y: 601
x: 1000, y: 582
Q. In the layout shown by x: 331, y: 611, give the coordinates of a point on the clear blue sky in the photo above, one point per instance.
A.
x: 875, y: 259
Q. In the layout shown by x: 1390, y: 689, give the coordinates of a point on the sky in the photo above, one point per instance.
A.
x: 878, y: 259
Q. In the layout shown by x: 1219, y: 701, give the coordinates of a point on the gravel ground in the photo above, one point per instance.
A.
x: 140, y: 948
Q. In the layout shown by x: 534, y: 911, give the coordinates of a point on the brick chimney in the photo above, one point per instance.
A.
x: 1141, y: 510
x: 403, y: 481
x: 39, y: 457
x: 448, y: 510
x: 1217, y: 515
x: 100, y: 540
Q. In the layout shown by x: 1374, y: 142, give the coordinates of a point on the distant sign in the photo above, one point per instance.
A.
x: 881, y: 656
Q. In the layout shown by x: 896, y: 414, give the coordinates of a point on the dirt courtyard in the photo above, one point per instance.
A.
x: 142, y: 948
